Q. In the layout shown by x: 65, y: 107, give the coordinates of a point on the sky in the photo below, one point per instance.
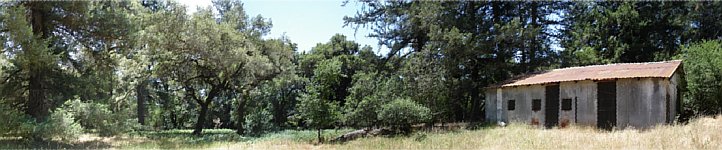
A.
x: 305, y: 22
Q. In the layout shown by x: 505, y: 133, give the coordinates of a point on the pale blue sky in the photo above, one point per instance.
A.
x: 305, y: 22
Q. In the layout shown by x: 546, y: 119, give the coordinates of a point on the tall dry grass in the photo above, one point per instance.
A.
x: 702, y: 133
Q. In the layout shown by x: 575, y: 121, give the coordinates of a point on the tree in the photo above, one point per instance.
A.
x: 428, y: 83
x: 369, y: 92
x: 347, y: 54
x: 317, y: 113
x: 280, y: 96
x: 703, y: 21
x: 316, y: 106
x: 60, y: 50
x: 57, y: 44
x: 614, y: 32
x: 207, y: 59
x: 703, y: 73
x: 476, y: 43
x: 33, y: 57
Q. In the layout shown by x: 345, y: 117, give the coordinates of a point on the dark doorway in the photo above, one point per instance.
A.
x: 551, y: 108
x: 606, y: 105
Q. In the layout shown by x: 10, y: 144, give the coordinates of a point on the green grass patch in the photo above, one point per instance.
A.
x: 304, y: 135
x: 182, y: 139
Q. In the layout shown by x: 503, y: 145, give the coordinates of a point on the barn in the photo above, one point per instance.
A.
x: 638, y: 95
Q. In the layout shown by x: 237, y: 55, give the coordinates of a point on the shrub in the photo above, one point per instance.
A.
x: 364, y: 100
x: 402, y: 113
x: 60, y: 125
x: 363, y: 113
x: 100, y: 117
x: 118, y: 123
x: 15, y: 123
x: 316, y: 112
x: 258, y: 123
x: 703, y: 71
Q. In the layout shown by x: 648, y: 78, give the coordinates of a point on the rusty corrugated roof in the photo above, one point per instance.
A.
x: 663, y: 69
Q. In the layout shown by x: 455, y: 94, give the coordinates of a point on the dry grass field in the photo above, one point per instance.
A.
x: 702, y: 133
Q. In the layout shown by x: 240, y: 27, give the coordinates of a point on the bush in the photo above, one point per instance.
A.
x: 258, y: 123
x: 100, y: 117
x: 363, y: 113
x: 60, y: 125
x: 363, y: 101
x: 703, y: 71
x: 15, y: 123
x: 402, y: 113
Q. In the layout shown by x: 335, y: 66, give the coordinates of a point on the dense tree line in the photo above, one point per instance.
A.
x: 116, y: 66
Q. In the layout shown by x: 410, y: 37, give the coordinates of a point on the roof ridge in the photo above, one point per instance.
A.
x: 615, y: 64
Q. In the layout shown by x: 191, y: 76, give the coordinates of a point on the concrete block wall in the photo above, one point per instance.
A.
x: 674, y: 97
x: 641, y: 103
x: 523, y: 96
x: 584, y: 95
x: 490, y: 105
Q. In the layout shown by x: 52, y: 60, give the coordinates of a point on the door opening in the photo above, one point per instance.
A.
x: 606, y: 105
x: 551, y: 108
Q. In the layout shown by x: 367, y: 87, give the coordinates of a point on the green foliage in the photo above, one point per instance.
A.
x: 364, y: 112
x: 402, y: 113
x: 327, y: 75
x: 100, y: 117
x: 428, y: 83
x: 369, y: 92
x: 612, y: 32
x: 15, y: 123
x: 279, y: 97
x: 61, y: 125
x: 215, y: 59
x: 333, y: 64
x: 362, y: 104
x: 703, y: 72
x: 258, y: 122
x: 181, y: 69
x: 316, y: 111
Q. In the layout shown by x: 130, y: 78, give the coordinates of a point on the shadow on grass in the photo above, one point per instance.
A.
x: 26, y: 144
x: 173, y: 139
x: 481, y: 126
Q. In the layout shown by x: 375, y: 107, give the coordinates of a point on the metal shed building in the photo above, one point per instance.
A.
x: 640, y: 95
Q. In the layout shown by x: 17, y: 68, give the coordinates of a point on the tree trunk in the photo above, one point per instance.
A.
x: 241, y: 111
x: 201, y: 120
x: 141, y: 95
x: 534, y: 46
x: 200, y: 124
x: 320, y: 140
x: 36, y: 105
x: 475, y: 97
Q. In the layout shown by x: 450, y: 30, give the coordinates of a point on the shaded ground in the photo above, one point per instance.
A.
x: 17, y: 143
